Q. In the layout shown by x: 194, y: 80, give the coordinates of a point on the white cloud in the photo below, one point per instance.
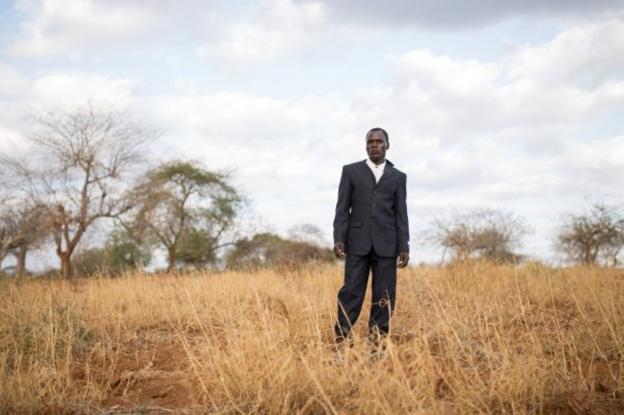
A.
x: 21, y: 96
x: 585, y: 55
x: 12, y: 83
x: 527, y: 90
x: 59, y: 89
x: 460, y: 77
x: 255, y: 32
x: 71, y: 26
x: 277, y: 27
x: 10, y: 140
x: 595, y: 165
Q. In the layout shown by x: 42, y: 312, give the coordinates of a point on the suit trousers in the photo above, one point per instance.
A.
x: 351, y: 295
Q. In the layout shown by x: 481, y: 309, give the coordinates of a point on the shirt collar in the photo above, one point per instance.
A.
x: 372, y: 165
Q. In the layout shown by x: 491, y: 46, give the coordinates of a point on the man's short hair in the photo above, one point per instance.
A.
x: 380, y: 130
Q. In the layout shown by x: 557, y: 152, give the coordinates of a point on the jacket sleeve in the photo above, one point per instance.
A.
x: 343, y: 206
x: 401, y: 215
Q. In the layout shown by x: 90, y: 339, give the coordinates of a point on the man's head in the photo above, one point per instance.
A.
x: 376, y: 144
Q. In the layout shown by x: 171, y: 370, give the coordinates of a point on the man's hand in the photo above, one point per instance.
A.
x: 339, y: 250
x: 403, y: 259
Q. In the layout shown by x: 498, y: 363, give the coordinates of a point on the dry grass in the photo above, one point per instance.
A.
x: 475, y: 338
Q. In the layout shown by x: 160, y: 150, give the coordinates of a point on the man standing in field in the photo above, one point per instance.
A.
x: 370, y: 231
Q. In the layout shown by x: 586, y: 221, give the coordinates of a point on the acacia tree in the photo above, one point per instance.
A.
x: 124, y: 252
x: 75, y: 168
x: 196, y: 248
x: 186, y: 209
x: 593, y: 236
x: 485, y: 233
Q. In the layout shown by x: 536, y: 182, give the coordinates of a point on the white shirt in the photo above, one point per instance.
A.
x: 377, y: 169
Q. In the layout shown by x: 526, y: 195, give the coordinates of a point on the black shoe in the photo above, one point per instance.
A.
x: 378, y: 341
x: 343, y: 341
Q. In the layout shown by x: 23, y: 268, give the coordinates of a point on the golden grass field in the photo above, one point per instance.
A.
x: 471, y: 338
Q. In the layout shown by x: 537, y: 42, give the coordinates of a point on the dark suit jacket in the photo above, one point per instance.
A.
x: 372, y: 215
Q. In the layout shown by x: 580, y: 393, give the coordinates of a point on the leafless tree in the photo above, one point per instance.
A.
x: 78, y: 159
x: 22, y: 229
x: 594, y: 236
x: 486, y: 233
x: 7, y: 240
x: 8, y: 232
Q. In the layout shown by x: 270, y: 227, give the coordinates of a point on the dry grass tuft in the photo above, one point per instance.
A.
x: 471, y: 338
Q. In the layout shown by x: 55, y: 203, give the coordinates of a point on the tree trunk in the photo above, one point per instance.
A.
x: 171, y: 259
x: 66, y: 268
x: 20, y: 271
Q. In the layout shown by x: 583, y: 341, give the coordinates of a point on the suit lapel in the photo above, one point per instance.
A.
x: 388, y: 172
x: 369, y: 173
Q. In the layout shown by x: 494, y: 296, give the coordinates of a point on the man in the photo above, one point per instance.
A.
x: 371, y: 231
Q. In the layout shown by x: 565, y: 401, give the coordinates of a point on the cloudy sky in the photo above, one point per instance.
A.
x: 517, y: 105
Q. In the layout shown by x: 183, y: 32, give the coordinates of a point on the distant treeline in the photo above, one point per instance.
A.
x: 91, y: 166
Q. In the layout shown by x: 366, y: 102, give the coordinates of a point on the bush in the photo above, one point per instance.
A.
x: 267, y: 249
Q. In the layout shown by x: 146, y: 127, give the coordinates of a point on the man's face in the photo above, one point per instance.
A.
x: 376, y: 146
